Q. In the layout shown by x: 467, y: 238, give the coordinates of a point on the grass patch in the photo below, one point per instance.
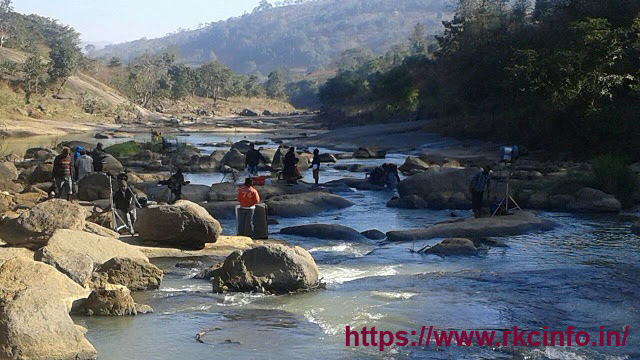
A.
x: 125, y: 149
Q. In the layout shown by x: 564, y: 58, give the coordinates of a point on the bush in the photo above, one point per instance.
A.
x: 128, y: 148
x: 612, y: 175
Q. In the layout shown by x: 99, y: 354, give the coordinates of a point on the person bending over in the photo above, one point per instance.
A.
x: 175, y: 184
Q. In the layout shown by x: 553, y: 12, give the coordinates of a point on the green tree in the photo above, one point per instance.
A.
x: 275, y: 85
x: 182, y: 80
x: 115, y: 62
x: 147, y: 77
x: 214, y: 79
x: 35, y: 76
x: 64, y: 58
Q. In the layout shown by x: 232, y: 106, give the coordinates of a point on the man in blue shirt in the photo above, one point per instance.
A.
x: 479, y: 185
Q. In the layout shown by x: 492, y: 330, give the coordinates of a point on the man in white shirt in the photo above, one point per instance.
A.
x: 84, y: 164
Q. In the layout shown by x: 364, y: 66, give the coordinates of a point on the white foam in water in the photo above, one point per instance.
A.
x: 333, y: 275
x: 188, y: 288
x: 312, y: 317
x: 343, y: 248
x: 239, y: 299
x: 389, y: 295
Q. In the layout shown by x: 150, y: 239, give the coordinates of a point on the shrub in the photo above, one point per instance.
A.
x: 612, y: 175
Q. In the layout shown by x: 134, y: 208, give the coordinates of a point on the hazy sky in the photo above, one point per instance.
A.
x: 123, y: 20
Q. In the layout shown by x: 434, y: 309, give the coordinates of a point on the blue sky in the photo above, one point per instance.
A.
x: 124, y: 20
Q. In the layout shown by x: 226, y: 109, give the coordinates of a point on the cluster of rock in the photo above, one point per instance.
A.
x: 442, y: 187
x: 73, y: 269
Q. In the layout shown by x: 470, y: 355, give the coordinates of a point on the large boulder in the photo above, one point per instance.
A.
x: 194, y: 193
x: 77, y: 253
x: 374, y: 234
x: 184, y: 225
x: 8, y: 171
x: 95, y: 186
x: 248, y: 112
x: 33, y: 228
x: 305, y: 204
x: 457, y: 246
x: 441, y: 188
x: 223, y: 192
x: 328, y: 158
x: 518, y: 224
x: 233, y: 159
x: 40, y: 154
x: 272, y: 268
x: 413, y: 165
x: 407, y: 202
x: 135, y: 274
x: 35, y: 301
x: 111, y: 164
x: 42, y: 173
x: 112, y: 301
x: 369, y: 152
x: 592, y: 200
x: 8, y: 253
x: 324, y: 231
x: 223, y: 210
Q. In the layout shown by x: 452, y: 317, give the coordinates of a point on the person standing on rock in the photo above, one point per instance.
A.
x: 290, y: 164
x: 248, y: 198
x: 315, y: 166
x: 479, y: 184
x: 62, y: 169
x: 175, y: 184
x: 84, y: 164
x: 125, y: 203
x: 98, y: 156
x: 253, y: 159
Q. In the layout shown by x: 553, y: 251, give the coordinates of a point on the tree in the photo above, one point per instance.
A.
x: 252, y: 86
x: 6, y: 9
x: 418, y: 40
x: 215, y: 78
x: 35, y: 76
x: 90, y: 48
x: 115, y: 62
x: 275, y: 85
x: 182, y: 80
x: 64, y: 57
x: 353, y: 59
x: 145, y: 75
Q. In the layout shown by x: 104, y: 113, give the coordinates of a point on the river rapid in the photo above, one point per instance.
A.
x: 585, y: 273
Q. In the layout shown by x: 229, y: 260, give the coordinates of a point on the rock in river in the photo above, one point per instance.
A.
x: 306, y: 204
x: 77, y: 253
x: 635, y: 228
x: 592, y: 200
x: 324, y: 231
x: 35, y: 300
x: 34, y: 227
x: 456, y: 246
x: 520, y: 223
x: 135, y: 274
x: 272, y: 268
x: 184, y: 225
x: 112, y: 301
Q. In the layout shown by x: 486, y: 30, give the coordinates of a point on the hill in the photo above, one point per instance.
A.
x: 303, y: 37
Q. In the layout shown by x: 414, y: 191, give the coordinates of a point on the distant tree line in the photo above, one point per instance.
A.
x: 561, y: 75
x: 152, y: 77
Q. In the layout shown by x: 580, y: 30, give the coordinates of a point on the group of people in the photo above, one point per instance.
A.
x: 70, y: 168
x: 290, y: 171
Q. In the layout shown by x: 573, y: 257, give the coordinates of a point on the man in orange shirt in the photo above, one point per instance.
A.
x: 248, y: 197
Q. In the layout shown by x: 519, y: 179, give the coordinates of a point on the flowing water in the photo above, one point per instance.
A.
x: 585, y: 274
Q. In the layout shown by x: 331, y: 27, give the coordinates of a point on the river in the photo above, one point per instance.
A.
x: 585, y: 274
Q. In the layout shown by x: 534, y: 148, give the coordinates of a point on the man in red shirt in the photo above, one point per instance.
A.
x: 248, y: 198
x: 62, y: 170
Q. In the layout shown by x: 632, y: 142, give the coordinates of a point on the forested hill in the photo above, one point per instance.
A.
x: 302, y: 36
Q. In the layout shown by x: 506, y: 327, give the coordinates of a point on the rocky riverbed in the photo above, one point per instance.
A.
x: 361, y: 258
